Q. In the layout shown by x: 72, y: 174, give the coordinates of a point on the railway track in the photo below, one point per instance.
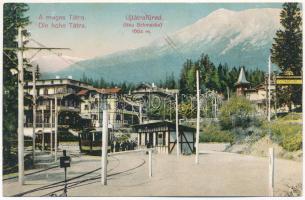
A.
x: 37, y: 172
x: 77, y: 181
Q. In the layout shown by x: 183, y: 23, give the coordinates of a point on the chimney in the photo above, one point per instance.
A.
x: 57, y: 77
x: 69, y: 77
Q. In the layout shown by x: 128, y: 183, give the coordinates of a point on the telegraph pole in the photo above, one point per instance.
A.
x: 215, y: 106
x: 42, y: 129
x: 177, y: 126
x: 20, y: 50
x: 34, y: 109
x: 269, y: 89
x: 198, y: 118
x: 56, y: 128
x: 20, y: 109
x: 51, y: 126
x: 104, y: 148
x: 140, y: 109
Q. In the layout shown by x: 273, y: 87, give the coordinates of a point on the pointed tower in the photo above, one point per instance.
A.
x: 242, y: 84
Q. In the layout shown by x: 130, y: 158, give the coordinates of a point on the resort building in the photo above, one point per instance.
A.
x: 55, y: 99
x: 76, y: 106
x: 257, y: 95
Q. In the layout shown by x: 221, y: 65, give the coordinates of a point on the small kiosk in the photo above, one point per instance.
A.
x: 162, y: 137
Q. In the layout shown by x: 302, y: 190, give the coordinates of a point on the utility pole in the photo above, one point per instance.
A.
x: 198, y: 118
x: 104, y: 147
x: 140, y: 109
x: 98, y: 110
x: 177, y: 126
x: 20, y: 109
x: 42, y: 129
x: 20, y: 50
x: 228, y: 93
x: 215, y: 106
x: 56, y: 128
x: 51, y: 127
x: 269, y: 90
x: 34, y: 109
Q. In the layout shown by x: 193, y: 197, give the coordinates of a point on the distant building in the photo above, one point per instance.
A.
x: 121, y: 112
x: 152, y: 96
x: 145, y: 88
x: 257, y: 95
x: 242, y: 84
x: 68, y: 104
x: 79, y: 106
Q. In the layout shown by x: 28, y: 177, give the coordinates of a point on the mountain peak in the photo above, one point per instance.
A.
x: 221, y: 11
x: 233, y: 37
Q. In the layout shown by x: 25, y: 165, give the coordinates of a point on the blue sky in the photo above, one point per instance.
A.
x: 104, y: 32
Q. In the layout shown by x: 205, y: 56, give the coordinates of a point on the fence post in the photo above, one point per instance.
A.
x: 150, y: 163
x: 271, y: 171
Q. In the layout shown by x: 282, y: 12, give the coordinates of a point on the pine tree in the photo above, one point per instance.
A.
x: 287, y: 47
x: 13, y: 17
x: 287, y: 52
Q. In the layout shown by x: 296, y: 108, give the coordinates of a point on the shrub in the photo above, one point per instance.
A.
x: 287, y: 135
x: 237, y: 112
x: 213, y: 133
x: 292, y: 142
x: 250, y: 134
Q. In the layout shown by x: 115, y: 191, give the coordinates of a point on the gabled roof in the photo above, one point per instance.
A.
x: 85, y: 92
x: 168, y: 124
x: 82, y: 92
x: 242, y: 78
x: 108, y: 90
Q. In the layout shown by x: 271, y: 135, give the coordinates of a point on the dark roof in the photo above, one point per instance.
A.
x: 52, y: 96
x: 108, y: 90
x: 170, y: 125
x: 82, y: 92
x: 242, y: 78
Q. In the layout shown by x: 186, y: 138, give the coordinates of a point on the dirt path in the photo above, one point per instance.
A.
x: 218, y: 174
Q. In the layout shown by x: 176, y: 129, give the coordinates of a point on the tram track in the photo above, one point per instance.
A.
x: 37, y: 172
x: 94, y: 178
x: 76, y: 183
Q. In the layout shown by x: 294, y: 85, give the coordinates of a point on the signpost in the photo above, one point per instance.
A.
x: 288, y: 80
x: 65, y: 161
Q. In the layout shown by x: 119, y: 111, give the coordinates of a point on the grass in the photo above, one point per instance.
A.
x: 213, y: 133
x: 286, y: 131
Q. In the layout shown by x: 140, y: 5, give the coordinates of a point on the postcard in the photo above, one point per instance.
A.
x: 152, y: 99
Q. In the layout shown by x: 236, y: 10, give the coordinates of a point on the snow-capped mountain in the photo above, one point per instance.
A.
x: 233, y: 37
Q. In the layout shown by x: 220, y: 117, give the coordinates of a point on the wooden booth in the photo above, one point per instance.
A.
x: 162, y: 137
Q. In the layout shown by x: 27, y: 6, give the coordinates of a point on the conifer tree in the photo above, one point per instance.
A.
x: 286, y: 52
x: 13, y: 17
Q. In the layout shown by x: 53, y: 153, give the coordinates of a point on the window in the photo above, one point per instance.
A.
x: 45, y: 91
x: 118, y: 117
x: 86, y: 107
x: 161, y: 139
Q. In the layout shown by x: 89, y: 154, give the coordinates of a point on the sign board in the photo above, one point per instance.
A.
x: 65, y: 161
x: 288, y: 80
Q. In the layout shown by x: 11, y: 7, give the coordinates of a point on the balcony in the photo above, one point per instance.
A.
x: 46, y: 125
